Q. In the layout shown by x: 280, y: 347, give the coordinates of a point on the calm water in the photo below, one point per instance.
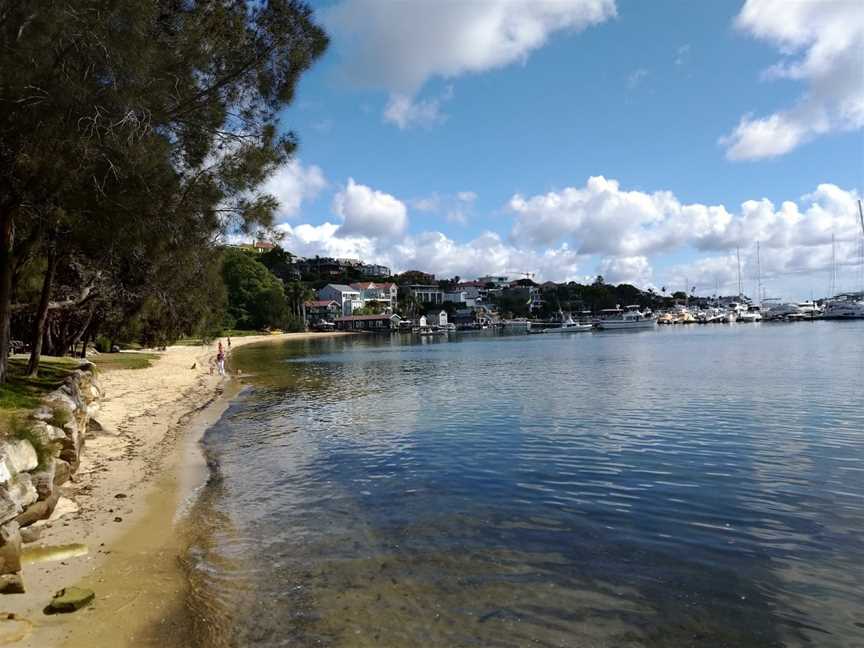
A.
x: 699, y: 486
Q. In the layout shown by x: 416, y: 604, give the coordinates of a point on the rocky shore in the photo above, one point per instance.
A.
x: 37, y: 460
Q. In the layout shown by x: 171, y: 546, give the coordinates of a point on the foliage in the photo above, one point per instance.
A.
x: 133, y: 134
x: 256, y: 298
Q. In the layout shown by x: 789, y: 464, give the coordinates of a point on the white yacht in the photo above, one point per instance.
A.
x: 750, y: 315
x: 571, y: 326
x: 777, y: 310
x: 844, y: 307
x: 631, y: 318
x: 809, y: 309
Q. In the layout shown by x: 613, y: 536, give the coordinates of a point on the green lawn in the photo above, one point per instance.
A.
x: 112, y: 361
x: 20, y: 394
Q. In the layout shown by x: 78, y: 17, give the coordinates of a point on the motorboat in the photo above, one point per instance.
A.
x: 630, y: 318
x: 778, y: 310
x: 571, y: 326
x: 844, y: 307
x: 749, y: 316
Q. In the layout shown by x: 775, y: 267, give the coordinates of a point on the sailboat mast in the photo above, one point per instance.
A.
x: 833, y: 286
x: 758, y: 277
x: 738, y: 255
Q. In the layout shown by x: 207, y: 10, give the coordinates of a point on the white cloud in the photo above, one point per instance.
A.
x: 293, y: 184
x: 601, y: 218
x: 455, y: 208
x: 434, y: 252
x: 399, y: 46
x: 822, y: 44
x: 467, y: 196
x: 635, y: 270
x: 367, y: 212
x: 404, y: 111
x: 635, y: 77
x: 682, y: 54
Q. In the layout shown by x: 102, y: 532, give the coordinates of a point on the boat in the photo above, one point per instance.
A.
x: 571, y: 326
x: 631, y: 318
x: 750, y: 315
x: 778, y: 310
x: 847, y: 306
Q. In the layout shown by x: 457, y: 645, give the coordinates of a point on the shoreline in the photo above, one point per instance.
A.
x: 134, y: 490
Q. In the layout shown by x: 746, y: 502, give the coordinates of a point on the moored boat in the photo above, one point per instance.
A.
x: 631, y: 318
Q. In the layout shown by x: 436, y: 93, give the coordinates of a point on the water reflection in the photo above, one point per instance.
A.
x: 683, y: 487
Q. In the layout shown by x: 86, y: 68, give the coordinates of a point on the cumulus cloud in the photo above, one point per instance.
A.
x: 635, y: 270
x: 434, y: 252
x: 293, y: 184
x: 367, y: 212
x: 822, y: 44
x: 398, y: 46
x: 455, y: 208
x: 404, y: 111
x: 601, y: 218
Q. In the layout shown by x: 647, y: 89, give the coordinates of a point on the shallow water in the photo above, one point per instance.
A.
x: 685, y: 486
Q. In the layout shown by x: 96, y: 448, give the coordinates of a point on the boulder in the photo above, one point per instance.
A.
x: 43, y: 480
x: 19, y: 454
x: 70, y: 599
x: 31, y: 533
x: 9, y: 508
x: 62, y: 472
x: 47, y: 433
x: 43, y: 413
x: 21, y: 490
x: 10, y: 548
x: 41, y: 510
x: 11, y: 584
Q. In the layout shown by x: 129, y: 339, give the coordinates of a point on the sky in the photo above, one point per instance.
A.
x: 648, y: 142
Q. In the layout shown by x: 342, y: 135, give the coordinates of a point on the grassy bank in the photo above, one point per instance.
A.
x: 21, y: 393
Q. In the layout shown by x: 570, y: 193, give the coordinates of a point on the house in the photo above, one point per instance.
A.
x: 459, y: 297
x: 378, y: 292
x: 374, y: 270
x: 433, y: 319
x: 347, y: 297
x: 322, y: 310
x: 258, y: 247
x: 426, y: 293
x: 380, y: 323
x: 498, y: 281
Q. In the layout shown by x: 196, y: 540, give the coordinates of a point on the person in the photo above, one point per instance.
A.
x: 220, y: 361
x: 229, y: 342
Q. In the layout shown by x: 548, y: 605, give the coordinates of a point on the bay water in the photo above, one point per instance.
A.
x: 686, y: 486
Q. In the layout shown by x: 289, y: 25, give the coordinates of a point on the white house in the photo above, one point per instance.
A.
x: 433, y: 319
x: 378, y: 292
x: 347, y: 297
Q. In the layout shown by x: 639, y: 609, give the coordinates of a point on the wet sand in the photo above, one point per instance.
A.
x: 136, y: 480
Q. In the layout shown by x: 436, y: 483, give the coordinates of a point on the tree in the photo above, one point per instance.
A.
x: 138, y: 105
x: 256, y: 298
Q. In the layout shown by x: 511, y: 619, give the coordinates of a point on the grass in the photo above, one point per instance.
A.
x: 114, y: 361
x: 20, y: 394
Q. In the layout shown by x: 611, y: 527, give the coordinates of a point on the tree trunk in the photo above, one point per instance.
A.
x: 42, y: 315
x: 7, y: 238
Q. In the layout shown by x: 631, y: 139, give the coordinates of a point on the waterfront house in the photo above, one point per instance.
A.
x: 497, y: 281
x: 426, y: 293
x: 378, y: 323
x: 374, y: 270
x: 347, y: 297
x: 434, y: 319
x: 322, y: 310
x: 459, y: 297
x: 378, y: 292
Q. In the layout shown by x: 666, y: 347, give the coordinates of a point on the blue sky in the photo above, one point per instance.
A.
x: 459, y: 138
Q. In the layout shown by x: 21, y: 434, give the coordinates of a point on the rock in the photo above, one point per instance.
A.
x: 9, y: 508
x: 31, y: 534
x: 70, y: 599
x: 10, y: 548
x: 118, y: 519
x: 19, y: 454
x: 43, y: 480
x: 11, y: 584
x: 62, y: 472
x: 94, y: 425
x: 120, y: 496
x: 41, y: 510
x: 21, y: 490
x: 64, y: 506
x: 43, y: 413
x: 46, y: 433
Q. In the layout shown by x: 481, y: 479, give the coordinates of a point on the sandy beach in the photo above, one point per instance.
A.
x: 124, y: 539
